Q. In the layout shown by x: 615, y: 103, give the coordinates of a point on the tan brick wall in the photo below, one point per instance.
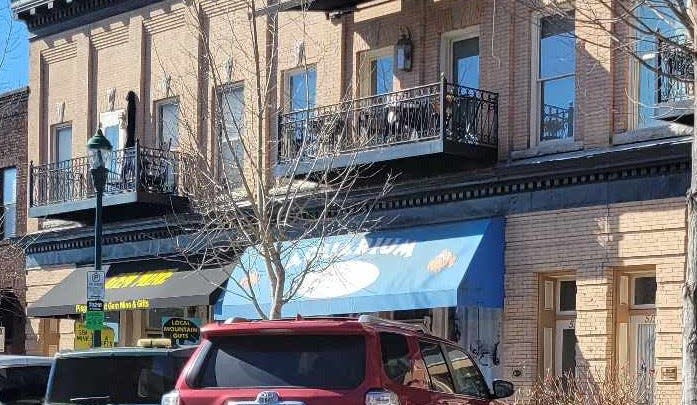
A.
x: 592, y: 243
x: 38, y: 338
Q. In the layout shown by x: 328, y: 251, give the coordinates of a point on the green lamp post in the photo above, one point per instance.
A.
x: 99, y: 152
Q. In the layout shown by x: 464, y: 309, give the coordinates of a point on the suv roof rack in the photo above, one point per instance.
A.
x: 374, y: 320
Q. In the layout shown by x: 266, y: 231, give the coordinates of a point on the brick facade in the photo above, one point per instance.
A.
x: 13, y: 154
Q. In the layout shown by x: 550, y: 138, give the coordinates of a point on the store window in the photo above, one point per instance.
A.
x: 555, y: 77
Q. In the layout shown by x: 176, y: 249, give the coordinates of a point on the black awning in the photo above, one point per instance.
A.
x: 134, y: 285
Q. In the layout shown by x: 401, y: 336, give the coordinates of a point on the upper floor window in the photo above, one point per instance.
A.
x: 377, y: 72
x: 111, y: 127
x: 556, y: 77
x: 9, y: 202
x: 302, y: 89
x: 644, y: 78
x: 231, y: 130
x: 63, y: 144
x: 168, y: 123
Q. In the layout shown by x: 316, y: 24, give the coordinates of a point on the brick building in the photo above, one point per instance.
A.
x: 13, y: 163
x: 489, y: 111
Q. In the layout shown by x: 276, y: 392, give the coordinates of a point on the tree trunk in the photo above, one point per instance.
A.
x: 689, y: 340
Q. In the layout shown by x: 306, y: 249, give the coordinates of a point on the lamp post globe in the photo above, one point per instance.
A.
x: 99, y: 151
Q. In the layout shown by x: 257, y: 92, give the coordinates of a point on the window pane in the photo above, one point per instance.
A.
x: 64, y: 144
x: 467, y: 379
x: 397, y: 363
x: 568, y: 352
x: 557, y: 46
x: 557, y: 108
x: 466, y: 62
x: 307, y: 361
x: 112, y: 134
x: 9, y: 199
x: 382, y: 75
x: 303, y: 89
x: 169, y: 124
x: 232, y: 106
x: 23, y: 385
x: 437, y: 367
x: 645, y: 291
x: 567, y: 295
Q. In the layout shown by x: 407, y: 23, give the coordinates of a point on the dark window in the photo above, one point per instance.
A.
x: 115, y: 379
x: 567, y: 295
x: 308, y: 361
x: 645, y: 291
x: 25, y: 385
x: 437, y: 367
x: 568, y: 352
x: 468, y: 380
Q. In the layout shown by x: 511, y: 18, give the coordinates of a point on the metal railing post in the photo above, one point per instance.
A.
x: 443, y: 100
x: 31, y: 183
x: 136, y: 166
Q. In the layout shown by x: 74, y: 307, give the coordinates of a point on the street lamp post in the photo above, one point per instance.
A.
x: 99, y: 150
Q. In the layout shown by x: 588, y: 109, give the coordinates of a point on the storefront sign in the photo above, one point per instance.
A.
x: 83, y: 336
x: 182, y: 330
x: 118, y: 306
x: 144, y: 279
x: 95, y: 285
x: 94, y: 320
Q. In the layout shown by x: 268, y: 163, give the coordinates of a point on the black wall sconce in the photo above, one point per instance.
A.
x: 403, y: 51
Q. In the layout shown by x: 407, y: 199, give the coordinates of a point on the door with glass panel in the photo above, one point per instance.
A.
x: 465, y: 76
x: 64, y: 179
x: 566, y: 348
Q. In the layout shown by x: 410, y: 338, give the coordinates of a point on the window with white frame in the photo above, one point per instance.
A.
x: 230, y: 132
x: 302, y: 88
x: 555, y: 74
x: 63, y: 143
x: 168, y: 123
x: 9, y: 202
x: 377, y: 72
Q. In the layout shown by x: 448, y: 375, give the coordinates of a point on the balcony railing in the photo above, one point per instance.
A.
x: 457, y: 114
x: 557, y: 122
x: 131, y: 169
x: 675, y: 75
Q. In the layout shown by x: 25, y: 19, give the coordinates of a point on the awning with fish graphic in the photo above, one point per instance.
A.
x: 444, y: 265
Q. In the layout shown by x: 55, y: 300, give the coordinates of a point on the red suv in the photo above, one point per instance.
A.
x: 329, y: 362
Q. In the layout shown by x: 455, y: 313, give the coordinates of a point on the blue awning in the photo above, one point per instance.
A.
x: 459, y: 263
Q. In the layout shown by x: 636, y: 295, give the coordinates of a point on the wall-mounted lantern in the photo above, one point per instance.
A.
x: 403, y: 51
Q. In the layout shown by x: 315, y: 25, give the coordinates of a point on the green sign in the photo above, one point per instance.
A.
x: 94, y: 320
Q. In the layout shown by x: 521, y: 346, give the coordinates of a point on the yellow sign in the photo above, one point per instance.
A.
x: 144, y: 279
x: 83, y: 337
x: 117, y: 306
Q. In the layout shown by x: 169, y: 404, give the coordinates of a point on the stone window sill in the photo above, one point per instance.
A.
x: 548, y: 148
x: 650, y: 134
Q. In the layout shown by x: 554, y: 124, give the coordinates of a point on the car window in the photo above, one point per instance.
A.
x: 468, y: 380
x: 23, y: 384
x: 437, y: 367
x: 118, y: 379
x: 309, y: 361
x: 397, y: 363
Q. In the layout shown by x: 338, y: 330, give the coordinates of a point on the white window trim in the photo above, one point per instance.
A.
x: 364, y: 69
x: 632, y: 283
x: 158, y: 127
x: 557, y: 290
x: 535, y: 87
x: 446, y: 46
x: 118, y: 118
x: 286, y: 82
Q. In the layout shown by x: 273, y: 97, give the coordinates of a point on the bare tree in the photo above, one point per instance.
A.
x: 229, y: 175
x: 659, y: 36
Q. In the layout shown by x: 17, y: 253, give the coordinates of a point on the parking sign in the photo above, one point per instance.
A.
x: 95, y: 285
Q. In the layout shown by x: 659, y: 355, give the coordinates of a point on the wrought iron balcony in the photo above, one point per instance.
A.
x: 138, y: 177
x: 425, y: 120
x: 675, y: 80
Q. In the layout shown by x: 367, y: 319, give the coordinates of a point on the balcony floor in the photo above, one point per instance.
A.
x: 680, y: 111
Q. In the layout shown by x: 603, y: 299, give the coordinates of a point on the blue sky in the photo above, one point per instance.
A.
x: 14, y: 50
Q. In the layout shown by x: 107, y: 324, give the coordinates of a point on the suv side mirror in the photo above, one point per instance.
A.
x: 503, y: 389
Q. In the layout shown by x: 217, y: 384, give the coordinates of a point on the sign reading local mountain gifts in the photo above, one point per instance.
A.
x: 182, y: 330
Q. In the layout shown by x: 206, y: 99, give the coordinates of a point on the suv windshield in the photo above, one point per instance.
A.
x: 308, y: 361
x: 23, y: 384
x: 123, y: 379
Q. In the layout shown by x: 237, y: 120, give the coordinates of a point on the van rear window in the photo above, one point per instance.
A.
x: 304, y: 361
